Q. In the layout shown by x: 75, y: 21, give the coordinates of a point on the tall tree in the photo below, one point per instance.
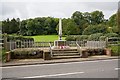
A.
x: 92, y: 29
x: 97, y: 17
x: 113, y: 20
x: 79, y: 19
x: 70, y: 27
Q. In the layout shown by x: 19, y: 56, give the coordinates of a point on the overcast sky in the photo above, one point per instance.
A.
x: 27, y: 9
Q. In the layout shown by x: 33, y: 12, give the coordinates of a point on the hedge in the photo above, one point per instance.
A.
x: 95, y: 36
x: 76, y: 37
x: 27, y: 53
x: 111, y: 35
x: 115, y: 50
x: 71, y: 38
x: 15, y: 38
x: 82, y: 38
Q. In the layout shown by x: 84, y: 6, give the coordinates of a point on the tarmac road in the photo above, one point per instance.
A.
x: 86, y: 69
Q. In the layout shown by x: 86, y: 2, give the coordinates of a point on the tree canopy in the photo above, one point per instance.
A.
x: 80, y: 23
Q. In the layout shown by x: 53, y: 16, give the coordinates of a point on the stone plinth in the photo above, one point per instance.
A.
x: 46, y: 55
x: 60, y: 44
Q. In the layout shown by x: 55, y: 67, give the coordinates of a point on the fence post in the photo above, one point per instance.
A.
x: 5, y: 41
x: 10, y: 45
x: 15, y: 44
x: 106, y: 42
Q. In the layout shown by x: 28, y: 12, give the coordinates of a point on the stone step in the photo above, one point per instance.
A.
x: 65, y: 51
x: 65, y: 54
x: 65, y: 57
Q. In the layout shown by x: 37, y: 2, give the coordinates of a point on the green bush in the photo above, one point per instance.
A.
x: 95, y: 36
x: 111, y: 35
x: 82, y: 38
x: 92, y: 29
x: 21, y: 38
x: 77, y: 37
x: 26, y: 53
x: 71, y: 38
x: 115, y: 50
x: 2, y: 55
x: 102, y: 38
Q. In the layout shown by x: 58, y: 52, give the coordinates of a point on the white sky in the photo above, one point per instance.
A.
x: 43, y: 8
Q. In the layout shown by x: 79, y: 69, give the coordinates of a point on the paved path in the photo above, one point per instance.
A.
x: 41, y: 61
x: 86, y: 69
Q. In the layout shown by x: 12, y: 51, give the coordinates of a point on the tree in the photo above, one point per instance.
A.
x: 118, y: 19
x: 50, y: 25
x: 113, y: 20
x: 70, y: 27
x: 10, y: 26
x: 81, y: 20
x: 97, y: 17
x: 5, y: 26
x: 23, y: 28
x: 14, y: 25
x: 91, y: 29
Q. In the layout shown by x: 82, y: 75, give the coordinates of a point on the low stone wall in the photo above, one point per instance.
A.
x: 92, y: 52
x: 47, y: 55
x: 84, y: 54
x: 8, y: 56
x: 107, y: 52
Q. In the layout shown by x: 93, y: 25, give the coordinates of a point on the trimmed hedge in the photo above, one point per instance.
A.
x: 95, y: 36
x: 76, y: 37
x: 71, y: 38
x: 21, y: 38
x: 111, y: 35
x: 26, y: 53
x: 102, y: 38
x: 82, y: 38
x: 2, y: 55
x: 115, y: 50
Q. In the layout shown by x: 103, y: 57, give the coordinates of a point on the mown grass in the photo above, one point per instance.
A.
x: 46, y: 38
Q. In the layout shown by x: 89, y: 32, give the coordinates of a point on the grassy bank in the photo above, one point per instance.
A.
x: 46, y: 38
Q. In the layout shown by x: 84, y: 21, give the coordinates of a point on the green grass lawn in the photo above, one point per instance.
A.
x: 46, y: 38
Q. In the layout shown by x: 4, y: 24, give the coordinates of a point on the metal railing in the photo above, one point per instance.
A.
x: 79, y: 49
x: 31, y: 44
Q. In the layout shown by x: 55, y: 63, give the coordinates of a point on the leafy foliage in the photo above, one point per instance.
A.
x: 86, y: 23
x: 111, y: 35
x: 95, y: 29
x: 115, y: 50
x: 82, y: 37
x: 71, y: 38
x: 95, y: 36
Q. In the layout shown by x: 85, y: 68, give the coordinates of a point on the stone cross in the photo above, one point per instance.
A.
x: 60, y: 29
